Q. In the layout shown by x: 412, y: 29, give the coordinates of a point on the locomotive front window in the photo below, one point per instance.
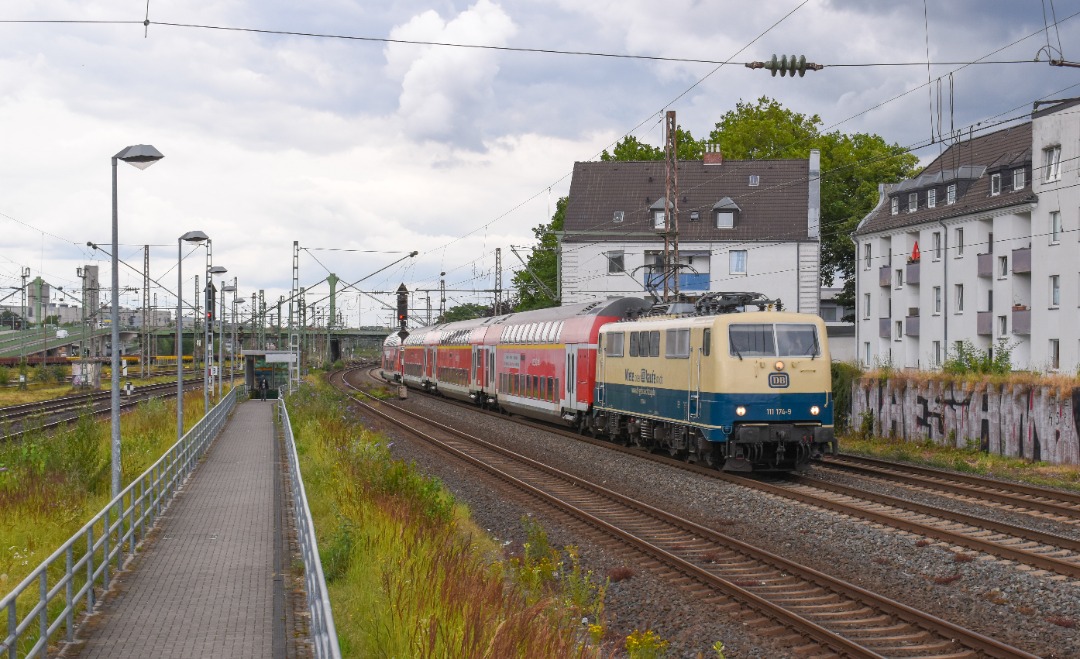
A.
x: 752, y: 340
x: 797, y: 340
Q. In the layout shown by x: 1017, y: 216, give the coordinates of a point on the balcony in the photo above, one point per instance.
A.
x: 1021, y: 319
x: 984, y: 323
x: 1021, y: 261
x: 986, y: 265
x: 884, y: 276
x: 912, y: 273
x: 911, y: 325
x: 884, y: 331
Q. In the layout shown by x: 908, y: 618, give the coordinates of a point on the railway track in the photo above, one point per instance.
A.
x: 1056, y: 553
x: 1058, y: 505
x: 809, y: 609
x: 48, y: 414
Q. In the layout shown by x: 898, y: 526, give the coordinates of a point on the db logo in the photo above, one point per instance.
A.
x: 778, y: 380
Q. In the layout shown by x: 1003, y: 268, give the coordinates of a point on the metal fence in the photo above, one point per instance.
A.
x: 323, y: 634
x: 69, y: 581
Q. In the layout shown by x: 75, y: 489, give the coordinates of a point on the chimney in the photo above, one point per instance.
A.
x: 713, y: 155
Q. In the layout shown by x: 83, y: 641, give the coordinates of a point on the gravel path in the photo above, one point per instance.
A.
x: 1027, y: 608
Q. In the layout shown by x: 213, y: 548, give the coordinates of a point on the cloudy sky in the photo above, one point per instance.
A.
x: 367, y: 147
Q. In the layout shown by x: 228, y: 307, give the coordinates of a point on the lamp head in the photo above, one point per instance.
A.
x: 194, y: 237
x: 217, y: 270
x: 140, y: 155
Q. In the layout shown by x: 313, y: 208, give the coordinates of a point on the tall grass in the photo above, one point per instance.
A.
x: 409, y: 575
x: 52, y: 483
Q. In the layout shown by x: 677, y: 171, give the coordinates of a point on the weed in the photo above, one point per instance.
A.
x: 336, y: 555
x: 645, y: 645
x: 922, y: 542
x: 962, y: 558
x: 866, y: 424
x: 711, y: 556
x: 621, y: 573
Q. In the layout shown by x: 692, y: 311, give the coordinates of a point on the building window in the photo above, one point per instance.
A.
x: 899, y: 277
x: 1051, y: 163
x: 899, y: 331
x: 737, y: 262
x: 866, y: 305
x: 1019, y: 179
x: 755, y: 180
x: 995, y: 185
x: 725, y: 219
x: 1055, y: 291
x: 950, y: 194
x: 936, y: 243
x: 931, y: 198
x: 695, y: 216
x: 937, y: 353
x: 866, y: 256
x: 1003, y: 325
x: 959, y: 241
x: 1003, y: 267
x: 1054, y: 354
x: 618, y: 216
x: 913, y: 202
x: 937, y: 299
x: 659, y: 220
x: 895, y: 205
x: 866, y: 353
x: 615, y: 263
x: 1055, y: 227
x: 959, y: 291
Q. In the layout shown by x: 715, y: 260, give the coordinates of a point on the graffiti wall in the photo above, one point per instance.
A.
x: 1024, y: 422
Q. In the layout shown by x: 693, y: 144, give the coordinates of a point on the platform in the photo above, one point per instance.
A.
x: 209, y: 582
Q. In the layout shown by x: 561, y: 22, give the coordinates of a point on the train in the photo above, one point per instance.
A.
x: 730, y: 381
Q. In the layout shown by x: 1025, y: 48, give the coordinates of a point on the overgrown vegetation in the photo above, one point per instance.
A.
x: 844, y: 375
x: 52, y: 483
x: 966, y: 359
x: 410, y: 575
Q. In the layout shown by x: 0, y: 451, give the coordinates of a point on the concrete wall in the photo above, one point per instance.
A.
x: 1021, y: 421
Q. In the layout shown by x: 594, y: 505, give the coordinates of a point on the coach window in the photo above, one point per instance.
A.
x: 678, y: 343
x: 706, y: 342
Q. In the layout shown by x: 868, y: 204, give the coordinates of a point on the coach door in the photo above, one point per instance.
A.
x: 478, y: 366
x: 570, y: 380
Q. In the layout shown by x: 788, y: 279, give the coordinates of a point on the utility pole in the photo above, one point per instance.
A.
x: 671, y: 194
x: 442, y: 295
x: 498, y: 280
x: 144, y: 361
x: 195, y: 329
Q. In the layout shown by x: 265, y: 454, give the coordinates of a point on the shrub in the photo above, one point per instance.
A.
x: 967, y: 359
x: 5, y: 376
x: 844, y: 375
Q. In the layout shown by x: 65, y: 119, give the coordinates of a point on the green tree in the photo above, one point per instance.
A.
x: 851, y: 168
x: 543, y: 262
x: 852, y: 165
x: 465, y: 312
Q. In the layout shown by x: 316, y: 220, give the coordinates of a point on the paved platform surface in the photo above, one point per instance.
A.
x: 206, y: 585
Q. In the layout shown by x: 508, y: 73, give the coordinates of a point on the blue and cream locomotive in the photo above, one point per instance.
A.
x: 743, y: 391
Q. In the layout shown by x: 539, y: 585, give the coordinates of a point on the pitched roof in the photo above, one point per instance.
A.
x: 774, y: 209
x: 968, y: 165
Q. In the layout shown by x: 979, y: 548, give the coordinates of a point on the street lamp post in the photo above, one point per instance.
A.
x: 208, y: 351
x: 191, y: 237
x: 221, y: 336
x: 141, y: 156
x: 236, y: 348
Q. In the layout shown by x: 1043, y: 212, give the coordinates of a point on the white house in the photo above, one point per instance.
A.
x: 982, y: 246
x: 748, y: 225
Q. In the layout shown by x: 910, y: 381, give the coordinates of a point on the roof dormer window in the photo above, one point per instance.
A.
x: 895, y: 205
x: 913, y: 202
x: 995, y: 185
x: 725, y: 211
x: 659, y: 210
x: 931, y: 198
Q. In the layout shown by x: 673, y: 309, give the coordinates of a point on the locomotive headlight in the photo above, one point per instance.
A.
x: 815, y: 410
x: 779, y: 366
x: 740, y: 411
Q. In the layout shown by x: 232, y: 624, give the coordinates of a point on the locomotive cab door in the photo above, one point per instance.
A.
x: 600, y: 370
x: 693, y: 403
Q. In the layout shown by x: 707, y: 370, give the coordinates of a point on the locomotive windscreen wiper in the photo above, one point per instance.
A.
x: 815, y: 350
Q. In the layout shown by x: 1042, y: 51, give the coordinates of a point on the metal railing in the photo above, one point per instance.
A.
x: 68, y: 582
x: 323, y: 633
